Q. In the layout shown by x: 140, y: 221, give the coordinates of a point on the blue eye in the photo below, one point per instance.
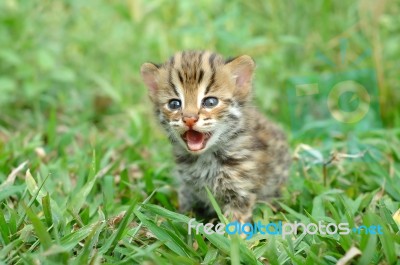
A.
x: 210, y: 102
x: 174, y: 104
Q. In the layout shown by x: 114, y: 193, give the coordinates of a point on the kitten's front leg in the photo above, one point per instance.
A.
x: 239, y: 207
x: 189, y: 201
x: 187, y: 198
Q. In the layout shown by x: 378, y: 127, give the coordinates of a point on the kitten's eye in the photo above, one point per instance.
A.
x: 174, y: 104
x: 210, y: 102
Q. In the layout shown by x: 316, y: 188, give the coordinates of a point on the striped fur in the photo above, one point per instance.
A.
x: 246, y: 157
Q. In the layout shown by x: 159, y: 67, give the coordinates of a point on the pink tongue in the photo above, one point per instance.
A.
x: 194, y: 140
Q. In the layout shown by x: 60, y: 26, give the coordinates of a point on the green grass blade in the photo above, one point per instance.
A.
x: 31, y: 201
x: 4, y: 230
x: 47, y: 210
x: 162, y: 235
x: 216, y: 207
x: 90, y: 242
x: 73, y: 239
x: 41, y: 232
x: 12, y: 190
x: 235, y: 252
x: 122, y: 226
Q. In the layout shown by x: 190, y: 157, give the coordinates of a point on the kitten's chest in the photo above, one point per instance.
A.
x: 201, y: 171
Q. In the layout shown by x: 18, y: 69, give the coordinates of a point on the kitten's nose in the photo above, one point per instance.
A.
x: 191, y: 120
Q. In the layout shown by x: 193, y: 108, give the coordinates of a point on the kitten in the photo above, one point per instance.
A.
x: 219, y: 139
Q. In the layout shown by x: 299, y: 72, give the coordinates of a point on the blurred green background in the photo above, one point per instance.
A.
x: 72, y: 104
x: 63, y: 54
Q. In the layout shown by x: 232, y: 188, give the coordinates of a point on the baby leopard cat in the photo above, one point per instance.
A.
x: 219, y: 139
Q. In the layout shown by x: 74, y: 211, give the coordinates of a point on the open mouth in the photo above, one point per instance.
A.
x: 195, y: 140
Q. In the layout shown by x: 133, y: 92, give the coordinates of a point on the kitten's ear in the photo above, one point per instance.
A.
x: 242, y: 68
x: 149, y: 72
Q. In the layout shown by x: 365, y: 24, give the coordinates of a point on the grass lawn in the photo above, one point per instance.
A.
x: 86, y: 173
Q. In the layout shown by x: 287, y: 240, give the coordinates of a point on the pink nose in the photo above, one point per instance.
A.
x: 190, y: 121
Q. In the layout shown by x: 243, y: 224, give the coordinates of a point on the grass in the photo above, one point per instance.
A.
x: 86, y: 174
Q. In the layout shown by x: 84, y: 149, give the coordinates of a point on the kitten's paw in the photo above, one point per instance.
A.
x: 235, y: 215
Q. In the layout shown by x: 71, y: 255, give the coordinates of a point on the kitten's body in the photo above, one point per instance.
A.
x: 228, y: 147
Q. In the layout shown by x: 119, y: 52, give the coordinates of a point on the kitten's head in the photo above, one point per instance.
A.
x: 198, y: 96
